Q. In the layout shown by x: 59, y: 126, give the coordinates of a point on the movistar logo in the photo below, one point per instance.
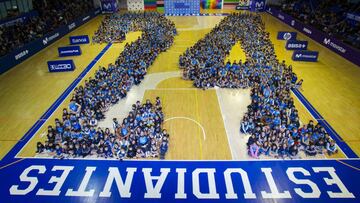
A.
x: 107, y: 6
x: 259, y: 4
x: 327, y: 41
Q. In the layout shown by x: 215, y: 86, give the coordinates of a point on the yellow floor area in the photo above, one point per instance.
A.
x: 331, y: 85
x: 193, y: 120
x: 28, y: 90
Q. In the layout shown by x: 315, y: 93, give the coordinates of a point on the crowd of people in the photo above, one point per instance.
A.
x: 90, y: 101
x: 330, y: 16
x: 114, y: 27
x: 271, y: 119
x: 140, y: 135
x: 51, y: 15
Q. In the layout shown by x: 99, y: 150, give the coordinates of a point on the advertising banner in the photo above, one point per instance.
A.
x: 283, y: 35
x: 257, y: 5
x: 109, y: 6
x: 310, y: 56
x: 182, y: 7
x: 296, y: 45
x: 80, y: 39
x: 61, y: 65
x: 69, y: 51
x: 286, y: 181
x: 329, y: 42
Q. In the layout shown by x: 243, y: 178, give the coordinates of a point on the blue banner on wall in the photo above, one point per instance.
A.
x: 283, y: 35
x: 182, y: 7
x: 257, y: 5
x: 311, y: 56
x: 329, y: 42
x: 296, y: 45
x: 19, y: 55
x: 80, y: 39
x: 58, y: 181
x: 109, y: 6
x: 69, y: 51
x: 61, y: 65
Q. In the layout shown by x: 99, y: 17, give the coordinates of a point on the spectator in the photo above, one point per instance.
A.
x: 52, y: 15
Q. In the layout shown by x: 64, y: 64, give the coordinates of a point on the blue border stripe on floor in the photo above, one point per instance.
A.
x: 20, y: 144
x: 334, y: 135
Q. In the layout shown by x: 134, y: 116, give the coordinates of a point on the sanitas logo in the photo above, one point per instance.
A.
x: 79, y: 40
x: 21, y: 54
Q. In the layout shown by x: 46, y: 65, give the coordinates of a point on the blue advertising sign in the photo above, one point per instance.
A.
x: 61, y: 65
x: 69, y: 51
x: 182, y: 7
x: 296, y: 45
x: 301, y: 55
x: 108, y: 6
x: 58, y: 181
x: 324, y: 39
x: 257, y: 5
x: 283, y: 35
x: 19, y: 55
x: 80, y: 39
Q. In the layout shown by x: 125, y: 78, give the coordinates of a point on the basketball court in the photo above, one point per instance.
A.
x: 203, y: 124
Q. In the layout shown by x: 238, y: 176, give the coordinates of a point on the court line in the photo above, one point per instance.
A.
x: 348, y: 152
x: 197, y: 117
x: 9, y: 164
x: 39, y: 123
x: 190, y: 119
x: 222, y: 114
x: 346, y: 164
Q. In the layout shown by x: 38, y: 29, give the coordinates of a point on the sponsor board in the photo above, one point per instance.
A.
x: 296, y: 45
x: 182, y: 7
x: 324, y: 39
x: 21, y: 54
x: 69, y: 51
x: 283, y: 35
x: 51, y: 38
x: 53, y: 180
x: 61, y: 65
x: 310, y: 56
x: 329, y: 42
x: 257, y: 5
x: 108, y: 6
x: 80, y: 39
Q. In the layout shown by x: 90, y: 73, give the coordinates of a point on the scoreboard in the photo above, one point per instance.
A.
x: 182, y: 7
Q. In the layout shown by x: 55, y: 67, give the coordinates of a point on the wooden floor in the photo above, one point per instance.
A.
x: 28, y: 90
